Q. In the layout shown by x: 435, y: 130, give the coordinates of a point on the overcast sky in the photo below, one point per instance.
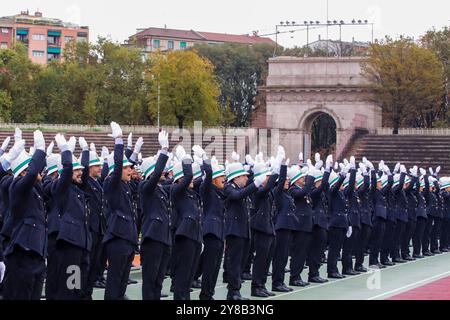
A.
x: 121, y: 19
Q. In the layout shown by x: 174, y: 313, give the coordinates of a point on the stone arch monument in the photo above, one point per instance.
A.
x: 299, y: 90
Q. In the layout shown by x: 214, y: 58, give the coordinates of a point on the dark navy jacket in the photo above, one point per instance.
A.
x: 446, y: 198
x: 379, y: 197
x: 440, y: 199
x: 155, y: 205
x: 401, y: 200
x: 432, y: 201
x: 354, y: 215
x: 121, y: 220
x: 187, y: 205
x: 365, y: 204
x: 93, y: 191
x: 337, y: 205
x: 320, y: 202
x: 286, y: 219
x: 7, y: 218
x: 421, y: 209
x: 213, y: 205
x: 412, y: 199
x: 27, y: 210
x: 261, y: 219
x: 237, y: 207
x: 303, y: 203
x: 391, y: 214
x: 51, y: 206
x: 73, y: 224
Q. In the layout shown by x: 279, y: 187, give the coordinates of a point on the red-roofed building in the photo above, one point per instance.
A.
x: 163, y: 39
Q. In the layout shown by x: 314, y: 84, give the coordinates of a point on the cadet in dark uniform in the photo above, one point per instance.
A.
x: 26, y: 251
x: 188, y: 235
x: 237, y: 228
x: 412, y: 219
x: 211, y: 192
x: 436, y: 235
x: 120, y: 239
x: 391, y: 223
x: 421, y: 214
x: 401, y: 183
x: 445, y: 232
x: 433, y: 214
x: 156, y: 238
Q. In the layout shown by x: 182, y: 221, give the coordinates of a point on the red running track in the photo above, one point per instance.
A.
x: 437, y: 290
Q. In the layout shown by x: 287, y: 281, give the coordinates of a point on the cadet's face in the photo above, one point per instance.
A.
x: 265, y: 181
x: 406, y: 186
x: 300, y: 182
x: 342, y: 188
x: 39, y: 178
x: 379, y: 185
x: 317, y: 184
x: 286, y: 184
x: 76, y: 176
x: 95, y: 171
x: 421, y: 189
x: 126, y: 174
x: 447, y: 189
x: 241, y: 181
x: 170, y: 174
x: 219, y: 182
x: 191, y: 185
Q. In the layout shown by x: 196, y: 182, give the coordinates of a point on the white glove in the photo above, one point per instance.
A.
x: 352, y: 162
x: 422, y: 171
x: 17, y: 135
x: 2, y: 271
x: 438, y: 169
x: 288, y: 161
x: 431, y: 171
x: 39, y: 141
x: 72, y: 143
x: 249, y: 160
x: 32, y: 150
x: 214, y: 161
x: 5, y: 144
x: 93, y: 148
x: 336, y: 166
x: 346, y: 163
x: 130, y: 141
x: 329, y: 162
x: 259, y: 180
x: 138, y: 145
x: 259, y: 158
x: 198, y: 160
x: 105, y: 153
x: 61, y: 142
x: 116, y: 131
x: 386, y: 170
x: 83, y: 143
x: 276, y: 166
x: 319, y: 164
x: 163, y: 139
x: 363, y: 168
x: 199, y: 152
x: 310, y: 165
x: 381, y: 165
x: 397, y: 168
x: 413, y: 171
x: 317, y: 157
x: 344, y: 169
x: 50, y: 148
x: 403, y: 169
x: 349, y: 232
x: 180, y: 153
x: 431, y: 180
x: 370, y: 165
x: 15, y: 151
x: 281, y: 154
x: 235, y: 156
x: 300, y: 157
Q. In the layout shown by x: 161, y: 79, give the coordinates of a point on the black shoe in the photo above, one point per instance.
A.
x: 131, y: 281
x: 350, y: 272
x: 125, y: 297
x: 361, y: 269
x: 286, y: 270
x: 398, y: 260
x: 99, y: 284
x: 317, y: 280
x: 298, y: 283
x: 445, y: 250
x: 387, y: 263
x: 164, y: 295
x: 418, y: 256
x: 436, y: 252
x: 380, y: 266
x: 236, y: 297
x: 269, y: 274
x: 246, y: 276
x: 270, y: 294
x: 336, y: 275
x: 409, y: 258
x: 259, y: 292
x: 281, y: 288
x: 224, y: 280
x: 323, y: 260
x: 428, y: 254
x: 197, y: 284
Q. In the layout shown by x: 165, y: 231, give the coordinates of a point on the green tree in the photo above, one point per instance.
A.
x: 90, y: 108
x: 5, y: 106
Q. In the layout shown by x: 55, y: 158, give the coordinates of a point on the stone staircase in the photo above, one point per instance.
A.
x: 422, y: 150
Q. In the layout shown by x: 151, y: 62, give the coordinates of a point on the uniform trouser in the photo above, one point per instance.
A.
x: 379, y: 226
x: 347, y: 250
x: 51, y: 271
x: 25, y: 277
x: 361, y: 244
x: 95, y: 263
x: 388, y: 240
x: 335, y: 243
x: 427, y: 234
x: 435, y: 236
x: 418, y: 235
x: 410, y: 229
x: 236, y: 253
x: 172, y: 258
x: 103, y: 262
x: 72, y: 271
x: 262, y: 242
x: 301, y: 241
x: 186, y: 254
x: 316, y: 248
x: 120, y: 254
x: 210, y: 265
x: 250, y: 255
x: 281, y: 254
x: 398, y: 236
x: 445, y: 234
x: 155, y: 257
x: 198, y: 269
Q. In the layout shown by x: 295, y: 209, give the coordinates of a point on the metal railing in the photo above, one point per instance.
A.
x: 415, y: 131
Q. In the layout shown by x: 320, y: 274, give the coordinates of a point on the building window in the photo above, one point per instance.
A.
x: 4, y: 45
x: 82, y: 39
x: 156, y: 44
x: 53, y: 40
x: 38, y: 37
x: 5, y: 30
x: 68, y: 39
x: 53, y: 56
x: 38, y: 54
x: 183, y: 45
x: 170, y: 45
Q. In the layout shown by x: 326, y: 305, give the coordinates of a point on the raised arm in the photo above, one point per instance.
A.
x: 264, y: 190
x: 281, y: 180
x: 186, y: 180
x: 150, y: 185
x: 351, y: 183
x: 207, y: 181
